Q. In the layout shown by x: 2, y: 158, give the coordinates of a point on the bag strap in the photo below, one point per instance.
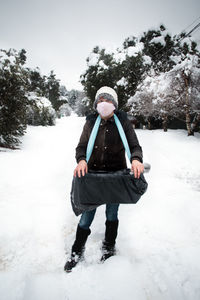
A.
x: 123, y: 136
x: 92, y: 138
x: 93, y: 135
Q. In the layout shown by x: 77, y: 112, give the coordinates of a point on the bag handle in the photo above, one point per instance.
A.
x: 93, y: 135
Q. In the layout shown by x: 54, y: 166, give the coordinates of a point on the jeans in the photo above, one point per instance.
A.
x: 88, y: 216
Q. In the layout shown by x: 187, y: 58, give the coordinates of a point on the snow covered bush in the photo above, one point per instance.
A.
x: 13, y: 98
x: 77, y: 102
x: 40, y: 111
x: 83, y: 107
x: 64, y: 110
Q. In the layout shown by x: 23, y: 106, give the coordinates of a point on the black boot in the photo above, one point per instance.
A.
x: 77, y: 248
x: 108, y: 247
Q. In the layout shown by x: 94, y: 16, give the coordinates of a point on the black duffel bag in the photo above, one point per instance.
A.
x: 99, y: 187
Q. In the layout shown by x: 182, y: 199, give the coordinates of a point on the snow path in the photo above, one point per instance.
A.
x: 159, y: 238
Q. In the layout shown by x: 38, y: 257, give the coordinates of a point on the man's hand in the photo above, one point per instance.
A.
x: 81, y: 168
x: 137, y: 168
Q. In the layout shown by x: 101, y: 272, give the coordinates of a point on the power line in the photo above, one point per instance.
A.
x: 193, y: 29
x: 190, y: 24
x: 182, y: 37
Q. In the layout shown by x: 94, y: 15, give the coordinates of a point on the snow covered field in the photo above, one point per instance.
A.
x: 159, y: 238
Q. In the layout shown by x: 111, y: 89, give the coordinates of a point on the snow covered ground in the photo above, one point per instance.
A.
x: 159, y: 238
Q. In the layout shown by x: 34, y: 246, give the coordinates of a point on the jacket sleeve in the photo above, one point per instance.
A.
x: 135, y: 148
x: 82, y: 145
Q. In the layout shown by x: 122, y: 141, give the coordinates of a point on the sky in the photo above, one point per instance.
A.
x: 59, y: 35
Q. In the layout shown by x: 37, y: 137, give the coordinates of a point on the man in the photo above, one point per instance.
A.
x: 108, y: 155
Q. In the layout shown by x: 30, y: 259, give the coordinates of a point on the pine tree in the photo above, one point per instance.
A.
x: 53, y: 90
x: 13, y: 100
x: 37, y: 82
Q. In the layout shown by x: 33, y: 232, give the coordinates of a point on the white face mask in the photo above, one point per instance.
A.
x: 105, y: 108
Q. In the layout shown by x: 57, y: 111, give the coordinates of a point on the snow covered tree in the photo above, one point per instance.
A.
x: 13, y: 100
x: 141, y: 106
x: 132, y: 68
x: 119, y: 69
x: 63, y: 91
x: 98, y: 73
x: 24, y: 97
x: 195, y: 95
x: 173, y: 94
x: 186, y: 84
x: 159, y: 46
x: 152, y: 55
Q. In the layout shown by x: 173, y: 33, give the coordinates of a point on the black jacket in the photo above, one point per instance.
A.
x: 108, y: 152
